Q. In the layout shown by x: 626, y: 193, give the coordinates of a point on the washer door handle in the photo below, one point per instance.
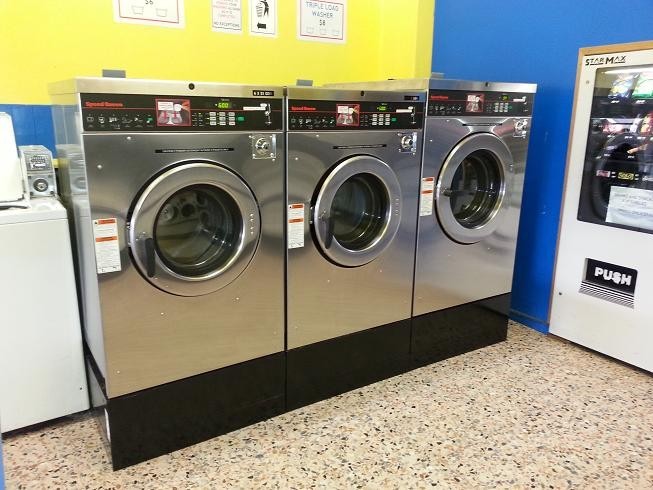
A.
x: 326, y: 218
x: 150, y: 263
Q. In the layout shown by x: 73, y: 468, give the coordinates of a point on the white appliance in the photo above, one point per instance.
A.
x: 604, y: 273
x: 42, y: 372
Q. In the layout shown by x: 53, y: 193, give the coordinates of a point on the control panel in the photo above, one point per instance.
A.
x: 479, y: 103
x: 41, y: 181
x: 130, y: 112
x: 324, y: 115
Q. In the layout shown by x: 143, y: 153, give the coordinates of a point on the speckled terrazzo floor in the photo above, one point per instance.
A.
x: 532, y: 412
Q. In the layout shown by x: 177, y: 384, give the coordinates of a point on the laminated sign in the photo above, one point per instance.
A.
x: 163, y: 13
x: 322, y: 20
x: 263, y: 18
x: 227, y: 16
x: 107, y: 248
x: 426, y: 196
x: 296, y: 225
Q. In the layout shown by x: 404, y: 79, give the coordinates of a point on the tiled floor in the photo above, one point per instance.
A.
x: 532, y: 412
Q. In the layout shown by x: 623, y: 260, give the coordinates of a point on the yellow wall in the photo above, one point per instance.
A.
x: 48, y: 40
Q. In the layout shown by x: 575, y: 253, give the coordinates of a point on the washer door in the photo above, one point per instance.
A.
x: 357, y: 211
x: 473, y: 186
x: 194, y: 229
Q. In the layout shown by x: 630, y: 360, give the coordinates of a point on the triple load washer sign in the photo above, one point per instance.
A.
x: 426, y: 191
x: 107, y: 247
x: 296, y: 225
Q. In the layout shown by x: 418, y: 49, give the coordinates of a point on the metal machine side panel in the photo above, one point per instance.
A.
x: 350, y: 94
x: 612, y: 329
x: 448, y: 273
x: 326, y: 300
x: 152, y: 337
x: 74, y: 194
x: 160, y: 87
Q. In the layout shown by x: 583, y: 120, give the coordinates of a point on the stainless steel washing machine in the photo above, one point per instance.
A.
x: 353, y: 172
x: 475, y: 145
x: 177, y: 190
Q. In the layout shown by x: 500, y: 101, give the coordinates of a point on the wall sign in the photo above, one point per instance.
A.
x: 610, y: 282
x: 162, y: 13
x: 263, y: 18
x: 322, y: 20
x: 227, y: 16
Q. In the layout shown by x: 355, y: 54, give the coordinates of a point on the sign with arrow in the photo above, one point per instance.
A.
x: 263, y: 18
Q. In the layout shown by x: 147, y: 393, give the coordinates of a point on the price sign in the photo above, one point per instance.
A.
x: 164, y: 13
x: 322, y: 20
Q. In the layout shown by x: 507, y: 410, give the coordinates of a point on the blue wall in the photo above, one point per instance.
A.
x: 531, y: 41
x: 32, y: 124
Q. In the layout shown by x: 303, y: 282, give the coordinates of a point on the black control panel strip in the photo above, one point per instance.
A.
x: 329, y: 115
x: 156, y: 113
x: 479, y: 103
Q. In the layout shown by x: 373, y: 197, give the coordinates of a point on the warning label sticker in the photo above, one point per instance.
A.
x: 426, y: 196
x: 107, y: 249
x: 296, y: 225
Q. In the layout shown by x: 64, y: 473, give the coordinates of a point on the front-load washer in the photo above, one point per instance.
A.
x: 475, y: 145
x: 353, y: 171
x: 177, y: 191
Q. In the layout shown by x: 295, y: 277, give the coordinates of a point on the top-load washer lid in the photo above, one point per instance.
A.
x: 357, y: 211
x: 473, y: 187
x: 194, y: 229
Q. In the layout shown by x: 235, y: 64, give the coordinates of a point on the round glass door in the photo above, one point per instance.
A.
x: 357, y: 211
x: 194, y: 229
x: 197, y: 230
x: 475, y: 189
x: 472, y: 187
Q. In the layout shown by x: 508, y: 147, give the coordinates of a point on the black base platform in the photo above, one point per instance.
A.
x: 453, y: 331
x: 324, y: 369
x: 159, y: 420
x: 165, y: 418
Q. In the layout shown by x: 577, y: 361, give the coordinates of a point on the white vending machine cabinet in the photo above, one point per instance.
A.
x: 603, y: 286
x: 42, y: 374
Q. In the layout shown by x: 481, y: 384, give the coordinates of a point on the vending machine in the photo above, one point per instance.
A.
x: 603, y: 286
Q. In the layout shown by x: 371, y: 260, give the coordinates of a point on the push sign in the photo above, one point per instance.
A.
x: 609, y: 282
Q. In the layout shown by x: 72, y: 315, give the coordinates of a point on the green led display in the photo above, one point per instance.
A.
x: 382, y: 108
x: 223, y: 105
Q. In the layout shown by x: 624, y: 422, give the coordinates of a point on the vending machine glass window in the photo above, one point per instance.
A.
x: 617, y: 186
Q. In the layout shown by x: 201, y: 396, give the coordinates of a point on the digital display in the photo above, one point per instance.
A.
x: 224, y: 105
x: 626, y: 176
x: 382, y: 108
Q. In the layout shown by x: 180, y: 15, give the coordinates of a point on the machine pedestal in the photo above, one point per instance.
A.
x: 328, y: 368
x: 453, y: 331
x: 159, y: 420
